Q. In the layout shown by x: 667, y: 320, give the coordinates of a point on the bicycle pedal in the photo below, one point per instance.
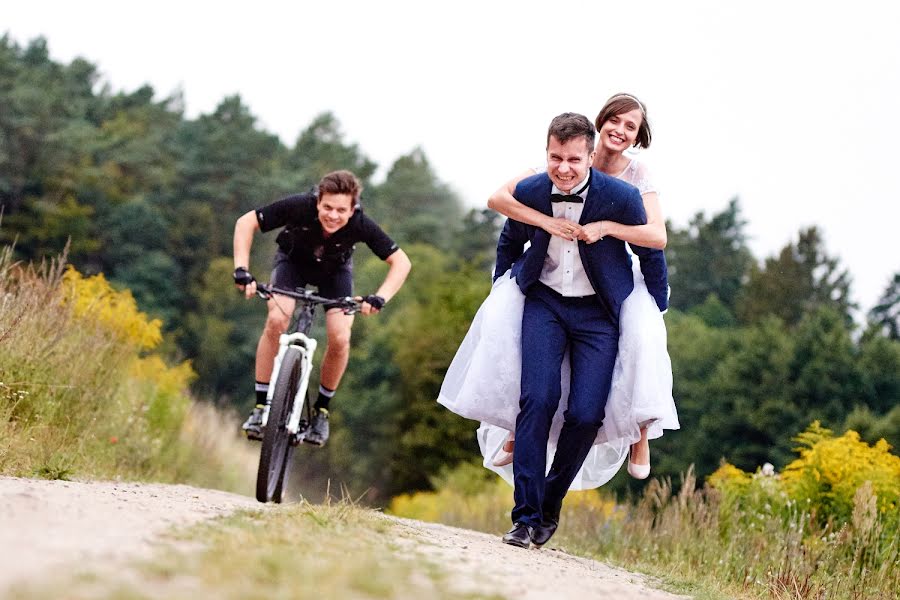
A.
x: 253, y: 436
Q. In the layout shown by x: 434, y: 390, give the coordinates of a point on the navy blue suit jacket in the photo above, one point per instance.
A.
x: 606, y: 262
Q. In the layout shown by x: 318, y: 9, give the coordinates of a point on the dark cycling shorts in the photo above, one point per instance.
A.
x: 287, y: 274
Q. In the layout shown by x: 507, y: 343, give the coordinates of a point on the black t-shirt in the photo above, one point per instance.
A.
x: 302, y: 238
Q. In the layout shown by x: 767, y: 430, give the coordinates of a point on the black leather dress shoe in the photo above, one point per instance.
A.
x: 543, y: 532
x: 519, y: 535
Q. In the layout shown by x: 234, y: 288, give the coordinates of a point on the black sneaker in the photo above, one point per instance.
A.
x: 253, y: 426
x: 317, y: 434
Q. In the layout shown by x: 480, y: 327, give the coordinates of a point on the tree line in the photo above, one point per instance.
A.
x: 129, y: 186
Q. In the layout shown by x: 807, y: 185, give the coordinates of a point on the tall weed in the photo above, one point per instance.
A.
x: 82, y: 394
x: 749, y: 535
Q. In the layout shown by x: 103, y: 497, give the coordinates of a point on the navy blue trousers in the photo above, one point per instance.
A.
x: 551, y: 324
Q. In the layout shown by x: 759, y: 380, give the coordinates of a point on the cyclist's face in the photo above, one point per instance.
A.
x: 334, y: 211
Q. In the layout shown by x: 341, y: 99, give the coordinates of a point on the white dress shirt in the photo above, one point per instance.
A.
x: 563, y: 271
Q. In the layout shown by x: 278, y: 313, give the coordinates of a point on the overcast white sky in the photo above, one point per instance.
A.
x: 792, y: 106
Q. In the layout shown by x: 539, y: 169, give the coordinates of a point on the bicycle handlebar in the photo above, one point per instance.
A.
x: 346, y: 304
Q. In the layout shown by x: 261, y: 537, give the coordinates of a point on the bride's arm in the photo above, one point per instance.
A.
x: 651, y: 235
x: 504, y: 203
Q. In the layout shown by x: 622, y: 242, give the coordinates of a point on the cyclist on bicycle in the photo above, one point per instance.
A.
x: 315, y: 247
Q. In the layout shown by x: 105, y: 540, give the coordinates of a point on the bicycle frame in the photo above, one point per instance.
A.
x: 304, y: 344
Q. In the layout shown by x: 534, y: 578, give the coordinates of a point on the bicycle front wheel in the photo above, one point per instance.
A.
x: 275, y: 454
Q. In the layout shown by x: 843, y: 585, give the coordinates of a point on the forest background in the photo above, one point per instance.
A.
x: 130, y: 187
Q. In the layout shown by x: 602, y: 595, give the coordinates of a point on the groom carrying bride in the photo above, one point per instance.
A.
x: 573, y: 293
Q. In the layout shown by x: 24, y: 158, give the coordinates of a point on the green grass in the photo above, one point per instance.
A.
x: 302, y: 551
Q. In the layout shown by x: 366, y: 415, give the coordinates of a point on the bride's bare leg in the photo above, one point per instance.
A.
x: 640, y: 451
x: 505, y: 455
x: 510, y: 442
x: 639, y: 458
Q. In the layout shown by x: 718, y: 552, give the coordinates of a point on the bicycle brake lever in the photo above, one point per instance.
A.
x: 350, y: 306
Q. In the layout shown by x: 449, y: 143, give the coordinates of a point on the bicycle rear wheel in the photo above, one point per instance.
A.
x: 276, y: 451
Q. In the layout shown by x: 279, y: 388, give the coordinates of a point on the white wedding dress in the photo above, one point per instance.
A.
x: 483, y: 381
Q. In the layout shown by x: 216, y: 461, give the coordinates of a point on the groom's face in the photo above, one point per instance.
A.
x: 568, y: 163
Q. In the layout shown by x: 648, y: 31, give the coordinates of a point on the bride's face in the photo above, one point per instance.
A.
x: 619, y: 132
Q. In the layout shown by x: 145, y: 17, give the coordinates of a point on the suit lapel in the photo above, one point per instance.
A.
x: 543, y: 203
x: 541, y: 238
x: 596, y: 206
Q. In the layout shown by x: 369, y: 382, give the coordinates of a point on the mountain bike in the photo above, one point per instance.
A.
x: 288, y: 410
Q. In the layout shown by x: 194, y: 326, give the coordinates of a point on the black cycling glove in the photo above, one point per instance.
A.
x: 242, y: 276
x: 376, y: 302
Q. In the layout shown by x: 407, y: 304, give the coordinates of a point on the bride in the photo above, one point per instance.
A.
x: 482, y: 382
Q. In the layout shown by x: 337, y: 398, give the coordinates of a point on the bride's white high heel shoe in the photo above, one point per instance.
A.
x: 635, y: 470
x: 638, y: 471
x: 505, y: 455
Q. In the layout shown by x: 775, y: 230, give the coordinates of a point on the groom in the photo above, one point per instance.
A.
x: 573, y: 292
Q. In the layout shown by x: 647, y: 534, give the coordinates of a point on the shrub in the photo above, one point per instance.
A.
x: 831, y: 469
x: 94, y: 300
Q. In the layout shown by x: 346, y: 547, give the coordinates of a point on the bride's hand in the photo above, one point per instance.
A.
x: 562, y: 228
x: 593, y: 232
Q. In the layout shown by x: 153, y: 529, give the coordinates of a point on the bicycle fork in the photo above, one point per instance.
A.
x: 306, y: 346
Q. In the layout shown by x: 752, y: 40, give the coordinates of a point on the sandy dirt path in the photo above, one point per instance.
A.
x: 545, y: 574
x: 46, y: 526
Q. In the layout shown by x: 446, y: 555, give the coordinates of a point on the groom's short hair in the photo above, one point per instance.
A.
x: 569, y: 126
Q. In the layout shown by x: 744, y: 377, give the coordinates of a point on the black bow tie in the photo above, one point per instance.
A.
x: 574, y: 196
x: 565, y: 198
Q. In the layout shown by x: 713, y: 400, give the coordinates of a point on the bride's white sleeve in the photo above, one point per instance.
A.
x: 639, y: 177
